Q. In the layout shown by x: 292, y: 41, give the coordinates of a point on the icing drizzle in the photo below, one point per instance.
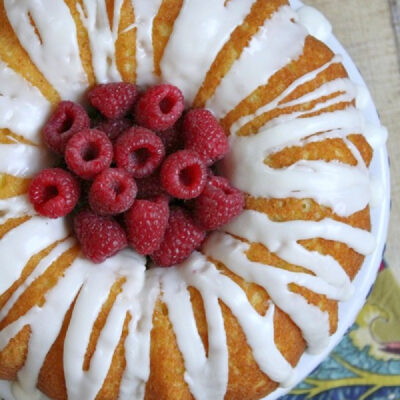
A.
x: 260, y: 60
x: 23, y: 109
x: 53, y: 47
x: 200, y: 46
x: 102, y: 37
x: 145, y: 11
x: 348, y: 192
x: 22, y: 160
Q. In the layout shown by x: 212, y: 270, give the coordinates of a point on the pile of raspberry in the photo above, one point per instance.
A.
x: 138, y: 171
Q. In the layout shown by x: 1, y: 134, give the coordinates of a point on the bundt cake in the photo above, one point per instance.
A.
x: 231, y: 321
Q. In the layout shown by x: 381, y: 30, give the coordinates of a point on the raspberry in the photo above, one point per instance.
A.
x: 218, y: 204
x: 146, y: 222
x: 183, y: 174
x: 67, y: 119
x: 150, y: 186
x: 54, y: 192
x: 100, y: 237
x: 112, y: 192
x: 139, y: 151
x: 203, y: 133
x: 181, y: 238
x: 88, y: 153
x: 113, y: 100
x: 114, y: 127
x: 172, y: 140
x: 159, y: 107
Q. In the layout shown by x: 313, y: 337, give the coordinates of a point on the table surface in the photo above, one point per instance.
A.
x: 366, y: 364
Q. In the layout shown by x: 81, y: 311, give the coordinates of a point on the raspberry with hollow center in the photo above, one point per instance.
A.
x: 159, y: 107
x: 112, y: 192
x: 218, y: 204
x: 88, y: 153
x: 113, y: 100
x: 183, y: 174
x: 182, y: 237
x: 54, y: 192
x: 114, y: 127
x: 146, y: 222
x: 100, y: 237
x: 68, y: 119
x: 139, y: 151
x: 203, y: 133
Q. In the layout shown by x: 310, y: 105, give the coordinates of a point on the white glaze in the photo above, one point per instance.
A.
x: 97, y: 284
x: 376, y: 135
x: 313, y: 323
x: 18, y: 206
x: 102, y: 37
x: 206, y: 376
x: 56, y: 51
x: 282, y: 238
x: 23, y: 109
x: 279, y: 99
x: 145, y: 11
x: 40, y: 269
x: 200, y: 31
x: 315, y: 22
x: 344, y: 188
x: 260, y: 60
x: 363, y: 97
x: 36, y: 234
x: 137, y: 343
x: 23, y: 160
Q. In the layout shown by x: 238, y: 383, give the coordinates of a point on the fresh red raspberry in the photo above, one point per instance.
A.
x: 181, y: 238
x: 218, y: 204
x: 150, y: 186
x: 100, y: 237
x: 112, y: 192
x: 172, y: 140
x: 88, y: 153
x: 139, y: 151
x: 67, y: 119
x: 203, y: 133
x: 159, y: 107
x: 54, y: 192
x: 183, y: 174
x: 146, y: 222
x: 113, y: 100
x: 114, y: 127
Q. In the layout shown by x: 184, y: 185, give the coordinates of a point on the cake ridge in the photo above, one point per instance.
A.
x: 21, y: 99
x: 95, y: 19
x: 60, y: 64
x: 205, y: 377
